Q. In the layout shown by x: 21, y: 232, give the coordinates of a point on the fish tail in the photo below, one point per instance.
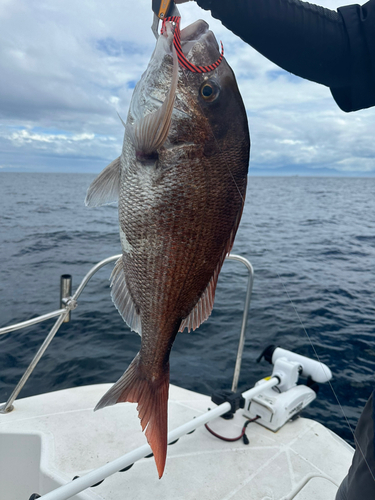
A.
x: 152, y: 398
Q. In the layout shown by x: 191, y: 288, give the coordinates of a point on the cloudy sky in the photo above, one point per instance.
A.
x: 67, y: 67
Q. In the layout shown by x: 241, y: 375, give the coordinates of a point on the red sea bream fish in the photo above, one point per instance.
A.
x: 180, y: 183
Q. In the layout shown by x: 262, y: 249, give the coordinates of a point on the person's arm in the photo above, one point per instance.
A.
x: 336, y: 49
x: 360, y: 481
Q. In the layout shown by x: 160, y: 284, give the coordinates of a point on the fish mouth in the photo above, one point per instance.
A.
x: 197, y: 37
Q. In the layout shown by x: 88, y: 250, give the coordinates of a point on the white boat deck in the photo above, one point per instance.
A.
x: 49, y: 439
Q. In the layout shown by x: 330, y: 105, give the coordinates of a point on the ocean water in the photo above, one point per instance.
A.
x: 311, y: 242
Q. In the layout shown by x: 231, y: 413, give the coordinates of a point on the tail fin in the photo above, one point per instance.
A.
x: 152, y: 399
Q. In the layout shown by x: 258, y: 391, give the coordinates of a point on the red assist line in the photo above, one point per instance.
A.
x: 181, y: 57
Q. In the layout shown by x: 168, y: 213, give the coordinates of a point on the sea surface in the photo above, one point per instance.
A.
x: 312, y: 245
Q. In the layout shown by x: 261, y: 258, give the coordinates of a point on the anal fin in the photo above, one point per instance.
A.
x: 204, y: 306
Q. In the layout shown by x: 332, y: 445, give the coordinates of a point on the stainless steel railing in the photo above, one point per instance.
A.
x: 69, y: 303
x: 241, y: 343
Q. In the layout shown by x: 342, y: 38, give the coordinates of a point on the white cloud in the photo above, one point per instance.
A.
x: 24, y: 136
x: 68, y: 67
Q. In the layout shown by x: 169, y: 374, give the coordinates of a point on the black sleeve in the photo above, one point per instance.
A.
x: 360, y: 481
x: 336, y: 49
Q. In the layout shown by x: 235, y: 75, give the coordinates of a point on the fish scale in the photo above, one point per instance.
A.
x: 181, y: 180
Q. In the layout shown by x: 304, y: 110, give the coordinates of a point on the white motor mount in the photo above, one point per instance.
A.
x: 319, y: 372
x: 274, y: 406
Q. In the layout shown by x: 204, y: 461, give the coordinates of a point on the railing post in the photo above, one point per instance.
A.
x: 65, y: 293
x: 68, y: 303
x: 8, y: 407
x: 241, y: 343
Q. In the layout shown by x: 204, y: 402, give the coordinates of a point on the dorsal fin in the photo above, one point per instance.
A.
x: 122, y: 298
x: 106, y: 187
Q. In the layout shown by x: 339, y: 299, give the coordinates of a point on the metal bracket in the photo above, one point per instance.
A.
x: 162, y: 9
x: 69, y: 303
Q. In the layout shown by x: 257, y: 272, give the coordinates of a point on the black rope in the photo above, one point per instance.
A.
x: 242, y: 435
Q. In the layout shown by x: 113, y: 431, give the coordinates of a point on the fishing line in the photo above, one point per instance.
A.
x: 219, y: 149
x: 186, y: 65
x: 286, y: 291
x: 329, y: 382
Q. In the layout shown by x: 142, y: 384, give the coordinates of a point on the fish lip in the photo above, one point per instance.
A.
x: 193, y: 34
x: 194, y: 30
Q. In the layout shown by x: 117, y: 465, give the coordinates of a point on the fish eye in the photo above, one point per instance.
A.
x: 209, y: 90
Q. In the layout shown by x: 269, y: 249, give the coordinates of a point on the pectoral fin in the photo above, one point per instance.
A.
x: 150, y: 132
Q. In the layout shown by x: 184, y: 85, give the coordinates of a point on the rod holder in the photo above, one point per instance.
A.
x: 65, y: 293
